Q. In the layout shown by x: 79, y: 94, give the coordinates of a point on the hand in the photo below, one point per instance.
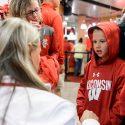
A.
x: 36, y: 24
x: 89, y: 115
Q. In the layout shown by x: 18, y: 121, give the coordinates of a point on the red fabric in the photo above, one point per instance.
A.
x: 53, y: 19
x: 48, y: 45
x: 49, y: 70
x: 101, y: 85
x: 89, y: 45
x: 68, y: 46
x: 122, y: 102
x: 1, y: 9
x: 4, y: 8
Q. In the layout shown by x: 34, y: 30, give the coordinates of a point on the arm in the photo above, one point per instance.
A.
x: 122, y: 101
x: 115, y: 116
x: 58, y: 37
x: 89, y: 118
x: 54, y: 49
x: 81, y: 98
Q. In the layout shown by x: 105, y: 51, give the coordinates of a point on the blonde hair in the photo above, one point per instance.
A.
x: 17, y: 8
x: 15, y: 35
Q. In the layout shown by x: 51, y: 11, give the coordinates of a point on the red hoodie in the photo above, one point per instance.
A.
x: 100, y: 88
x: 53, y: 19
x: 122, y: 101
x: 48, y: 45
x: 49, y: 67
x: 49, y: 72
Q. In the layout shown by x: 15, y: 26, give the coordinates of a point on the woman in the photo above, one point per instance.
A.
x: 29, y: 10
x: 23, y: 96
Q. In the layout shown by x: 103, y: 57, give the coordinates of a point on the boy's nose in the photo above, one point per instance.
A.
x: 98, y: 45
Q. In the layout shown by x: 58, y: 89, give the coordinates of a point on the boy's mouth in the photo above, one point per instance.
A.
x: 99, y: 52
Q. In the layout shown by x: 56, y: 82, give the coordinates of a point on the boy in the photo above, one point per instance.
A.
x: 104, y: 76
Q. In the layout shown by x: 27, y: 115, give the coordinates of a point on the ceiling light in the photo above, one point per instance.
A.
x: 83, y: 26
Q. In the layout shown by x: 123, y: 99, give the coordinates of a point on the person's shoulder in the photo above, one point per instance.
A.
x: 42, y: 97
x: 41, y: 107
x: 53, y: 105
x: 47, y: 29
x: 119, y: 62
x: 47, y: 97
x: 119, y: 67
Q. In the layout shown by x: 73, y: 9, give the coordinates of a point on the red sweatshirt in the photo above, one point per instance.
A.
x: 49, y: 70
x: 122, y: 101
x: 53, y: 19
x: 48, y: 46
x: 49, y: 67
x: 100, y: 88
x: 68, y: 46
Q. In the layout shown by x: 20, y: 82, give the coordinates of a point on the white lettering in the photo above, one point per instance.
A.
x: 95, y: 87
x: 103, y: 84
x: 94, y: 94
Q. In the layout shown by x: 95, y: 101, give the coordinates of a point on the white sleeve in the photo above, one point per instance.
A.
x: 90, y: 122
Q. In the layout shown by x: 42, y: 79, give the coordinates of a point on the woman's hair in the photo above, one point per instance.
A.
x: 18, y: 9
x: 15, y: 36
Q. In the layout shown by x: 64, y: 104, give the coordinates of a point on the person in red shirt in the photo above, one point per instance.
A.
x: 104, y: 76
x: 30, y: 11
x: 52, y: 18
x: 68, y: 46
x: 122, y: 104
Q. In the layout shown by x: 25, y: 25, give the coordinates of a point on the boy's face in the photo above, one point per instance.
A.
x: 33, y: 12
x: 100, y: 44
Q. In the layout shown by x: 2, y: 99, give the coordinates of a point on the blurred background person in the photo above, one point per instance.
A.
x: 78, y: 55
x: 68, y: 47
x: 51, y: 17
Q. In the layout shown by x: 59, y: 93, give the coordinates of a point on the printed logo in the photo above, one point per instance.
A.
x: 96, y: 74
x: 94, y: 94
x: 95, y: 87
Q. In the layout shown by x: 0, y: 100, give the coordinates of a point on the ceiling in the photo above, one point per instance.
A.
x: 91, y: 8
x: 97, y: 8
x: 94, y: 8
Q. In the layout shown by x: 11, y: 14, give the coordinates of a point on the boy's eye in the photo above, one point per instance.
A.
x: 102, y: 41
x: 94, y: 41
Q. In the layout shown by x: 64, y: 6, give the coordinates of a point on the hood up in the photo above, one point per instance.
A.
x: 111, y: 32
